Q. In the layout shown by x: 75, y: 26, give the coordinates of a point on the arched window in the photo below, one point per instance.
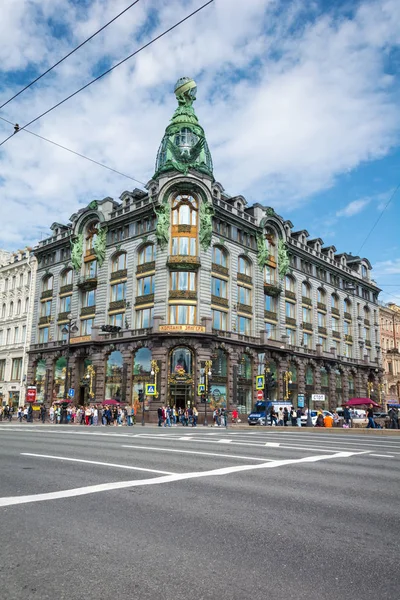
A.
x: 271, y: 242
x: 184, y: 210
x: 21, y: 279
x: 26, y: 307
x: 114, y: 377
x: 244, y: 266
x: 309, y: 376
x: 366, y: 313
x: 347, y: 306
x: 181, y: 361
x: 290, y: 284
x: 220, y: 364
x: 147, y: 254
x: 14, y: 279
x: 3, y: 311
x: 321, y: 296
x: 142, y: 362
x: 91, y: 235
x: 220, y: 257
x: 6, y: 284
x: 19, y: 307
x: 118, y: 262
x: 60, y: 370
x: 245, y: 367
x: 324, y: 377
x: 47, y: 283
x: 40, y: 379
x: 11, y: 309
x: 335, y: 301
x: 66, y: 277
x: 306, y: 290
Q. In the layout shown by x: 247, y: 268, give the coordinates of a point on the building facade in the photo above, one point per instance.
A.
x: 191, y: 275
x: 17, y: 285
x: 389, y: 316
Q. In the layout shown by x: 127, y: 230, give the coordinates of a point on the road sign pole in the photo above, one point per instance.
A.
x: 309, y: 419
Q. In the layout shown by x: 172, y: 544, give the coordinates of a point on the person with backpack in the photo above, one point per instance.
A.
x: 299, y: 414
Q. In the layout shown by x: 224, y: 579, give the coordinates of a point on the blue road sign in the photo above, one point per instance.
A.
x: 71, y: 392
x: 151, y: 389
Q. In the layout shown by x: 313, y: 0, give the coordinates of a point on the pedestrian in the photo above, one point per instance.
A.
x: 293, y: 416
x: 43, y: 413
x: 285, y: 416
x: 280, y: 417
x: 95, y: 415
x: 51, y: 413
x: 195, y: 416
x: 167, y: 417
x: 160, y: 416
x: 273, y: 416
x: 299, y: 414
x: 115, y: 417
x: 19, y: 414
x: 320, y: 420
x: 393, y: 415
x: 235, y: 415
x: 347, y: 416
x: 224, y: 417
x: 336, y: 419
x: 328, y: 420
x: 30, y: 413
x: 370, y: 417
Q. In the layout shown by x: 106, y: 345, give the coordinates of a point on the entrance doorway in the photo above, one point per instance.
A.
x: 180, y: 395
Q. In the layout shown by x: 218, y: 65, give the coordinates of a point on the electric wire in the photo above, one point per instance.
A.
x: 109, y: 70
x: 92, y: 160
x: 69, y: 54
x: 379, y: 218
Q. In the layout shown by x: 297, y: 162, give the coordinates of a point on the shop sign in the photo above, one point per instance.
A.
x: 31, y: 393
x: 318, y: 397
x: 80, y: 339
x: 191, y: 328
x: 260, y: 382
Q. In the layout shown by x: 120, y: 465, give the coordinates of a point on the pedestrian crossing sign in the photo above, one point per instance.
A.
x: 201, y: 388
x: 260, y: 382
x: 151, y: 389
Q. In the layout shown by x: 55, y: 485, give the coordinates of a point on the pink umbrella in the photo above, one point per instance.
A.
x: 360, y: 402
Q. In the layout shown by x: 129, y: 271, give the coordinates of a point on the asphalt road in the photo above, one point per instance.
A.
x: 197, y: 514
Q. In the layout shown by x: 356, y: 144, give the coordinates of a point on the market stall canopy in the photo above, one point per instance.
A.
x: 361, y: 402
x: 393, y: 404
x: 112, y: 402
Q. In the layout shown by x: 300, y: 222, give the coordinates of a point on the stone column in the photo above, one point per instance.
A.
x: 345, y: 385
x: 317, y: 379
x: 49, y: 380
x: 99, y: 363
x: 332, y: 389
x: 301, y: 377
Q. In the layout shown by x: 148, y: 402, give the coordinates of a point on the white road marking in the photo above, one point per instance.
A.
x: 382, y: 455
x: 236, y: 456
x: 96, y: 462
x: 119, y: 485
x: 273, y: 444
x: 224, y: 441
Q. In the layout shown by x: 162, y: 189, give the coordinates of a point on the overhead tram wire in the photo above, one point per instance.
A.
x: 69, y: 54
x: 92, y: 160
x: 109, y: 70
x: 379, y: 218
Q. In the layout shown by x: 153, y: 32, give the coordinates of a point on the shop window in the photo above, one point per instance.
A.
x: 60, y: 370
x: 40, y: 380
x: 220, y: 364
x: 114, y: 371
x: 181, y: 361
x: 309, y: 376
x: 142, y: 362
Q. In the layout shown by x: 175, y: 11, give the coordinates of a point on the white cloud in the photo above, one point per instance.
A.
x: 289, y: 100
x: 387, y: 267
x: 353, y: 208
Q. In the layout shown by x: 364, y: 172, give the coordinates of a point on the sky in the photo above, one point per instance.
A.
x: 299, y: 100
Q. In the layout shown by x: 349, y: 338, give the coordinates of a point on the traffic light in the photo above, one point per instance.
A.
x: 111, y: 328
x: 203, y: 398
x: 141, y: 395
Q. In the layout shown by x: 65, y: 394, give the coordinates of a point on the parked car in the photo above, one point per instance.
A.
x: 314, y: 415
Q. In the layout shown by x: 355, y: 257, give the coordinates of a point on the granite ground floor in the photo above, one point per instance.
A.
x: 186, y: 370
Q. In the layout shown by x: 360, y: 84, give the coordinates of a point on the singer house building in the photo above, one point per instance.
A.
x: 189, y: 290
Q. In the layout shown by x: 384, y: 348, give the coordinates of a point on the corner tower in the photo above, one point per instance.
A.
x: 184, y: 145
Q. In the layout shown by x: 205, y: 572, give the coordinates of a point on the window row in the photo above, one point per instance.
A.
x: 12, y: 283
x: 14, y: 309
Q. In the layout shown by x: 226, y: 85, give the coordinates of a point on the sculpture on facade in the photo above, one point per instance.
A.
x: 262, y: 250
x: 77, y: 252
x: 283, y: 258
x: 163, y: 220
x: 206, y: 215
x: 99, y: 244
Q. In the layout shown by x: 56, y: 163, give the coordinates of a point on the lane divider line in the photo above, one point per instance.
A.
x: 120, y: 485
x: 96, y: 462
x: 218, y: 454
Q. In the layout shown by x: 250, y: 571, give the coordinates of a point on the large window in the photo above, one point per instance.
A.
x: 183, y: 280
x: 66, y: 278
x: 65, y: 304
x: 144, y: 318
x: 145, y: 285
x: 307, y: 340
x: 45, y: 309
x: 89, y: 298
x: 116, y: 320
x: 16, y: 369
x: 291, y: 336
x: 220, y: 257
x: 307, y: 315
x: 91, y: 269
x: 181, y: 361
x: 244, y: 325
x: 184, y: 246
x: 290, y: 310
x: 118, y: 292
x: 142, y: 362
x: 244, y: 295
x: 270, y: 329
x: 182, y: 314
x: 119, y: 262
x: 335, y: 324
x: 270, y: 303
x: 219, y: 287
x: 321, y: 319
x: 43, y: 335
x: 321, y: 296
x: 86, y: 326
x: 334, y: 301
x: 219, y: 319
x: 289, y: 284
x: 244, y: 266
x: 184, y: 210
x: 2, y: 369
x: 47, y: 283
x: 306, y: 290
x: 114, y: 376
x: 146, y: 254
x: 270, y: 275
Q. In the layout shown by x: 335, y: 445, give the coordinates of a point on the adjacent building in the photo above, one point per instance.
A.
x: 17, y: 285
x: 187, y: 274
x: 389, y: 317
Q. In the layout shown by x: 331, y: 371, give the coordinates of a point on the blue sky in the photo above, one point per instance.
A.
x: 300, y: 102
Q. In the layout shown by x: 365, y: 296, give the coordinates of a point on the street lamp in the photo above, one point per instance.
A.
x: 68, y: 329
x: 208, y: 374
x: 287, y: 378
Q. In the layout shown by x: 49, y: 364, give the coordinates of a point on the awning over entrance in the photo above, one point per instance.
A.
x: 361, y: 402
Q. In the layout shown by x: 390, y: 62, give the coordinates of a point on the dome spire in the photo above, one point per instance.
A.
x: 184, y: 145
